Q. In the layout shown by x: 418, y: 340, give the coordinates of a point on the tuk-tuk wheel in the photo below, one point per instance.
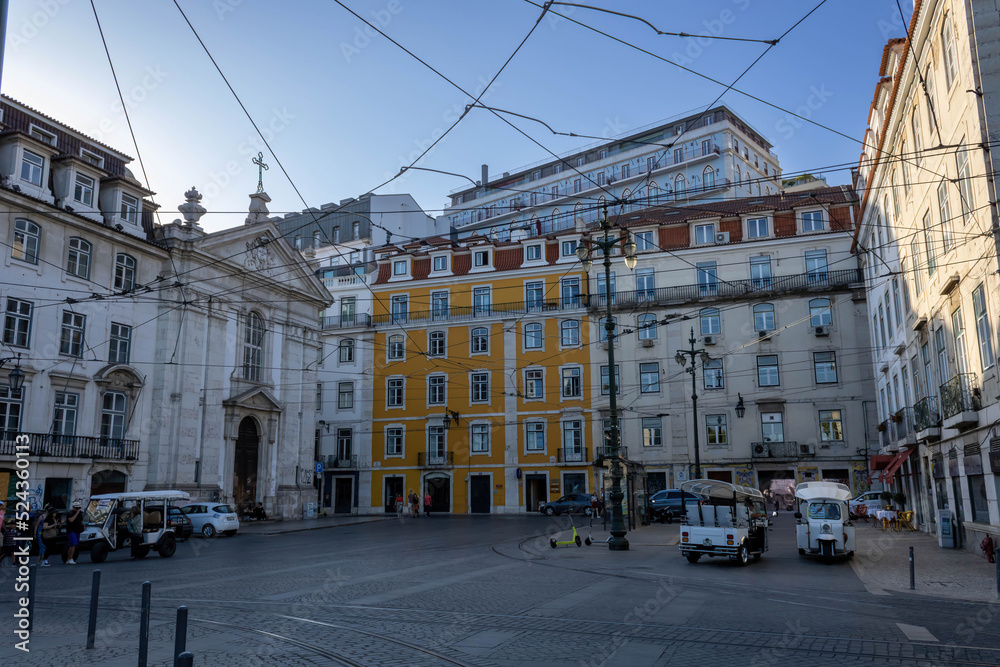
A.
x: 99, y: 552
x: 167, y: 546
x: 756, y: 556
x: 742, y: 556
x: 802, y: 552
x: 693, y: 558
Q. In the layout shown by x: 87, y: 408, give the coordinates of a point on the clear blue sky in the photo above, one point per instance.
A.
x: 345, y: 108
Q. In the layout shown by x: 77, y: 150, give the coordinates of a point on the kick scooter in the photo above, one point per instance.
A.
x: 576, y: 538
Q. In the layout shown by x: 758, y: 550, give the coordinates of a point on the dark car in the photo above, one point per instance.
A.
x: 666, y: 505
x: 568, y: 504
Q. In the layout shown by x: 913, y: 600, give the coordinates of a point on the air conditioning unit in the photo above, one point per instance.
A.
x: 762, y: 334
x: 761, y: 450
x: 807, y: 449
x: 722, y: 237
x: 709, y: 340
x: 647, y: 343
x: 822, y: 331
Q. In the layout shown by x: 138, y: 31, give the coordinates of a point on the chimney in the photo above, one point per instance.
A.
x: 486, y: 174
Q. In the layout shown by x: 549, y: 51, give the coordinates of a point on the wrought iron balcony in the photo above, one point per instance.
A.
x: 465, y: 313
x: 339, y: 461
x: 732, y: 289
x: 72, y: 446
x: 435, y: 459
x: 902, y: 425
x: 345, y: 321
x: 607, y: 453
x: 960, y: 394
x: 571, y: 455
x: 787, y: 449
x: 926, y: 414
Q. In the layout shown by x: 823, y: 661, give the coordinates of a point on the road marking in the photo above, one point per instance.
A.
x: 916, y: 633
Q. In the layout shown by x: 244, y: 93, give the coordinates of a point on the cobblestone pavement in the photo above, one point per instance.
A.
x: 462, y: 590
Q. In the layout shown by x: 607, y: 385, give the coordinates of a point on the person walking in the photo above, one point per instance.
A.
x: 427, y: 503
x: 45, y: 530
x: 74, y: 526
x: 9, y: 542
x: 399, y: 505
x: 411, y: 501
x: 135, y: 531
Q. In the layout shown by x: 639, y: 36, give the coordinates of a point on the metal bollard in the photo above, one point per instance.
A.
x: 913, y: 581
x: 95, y: 591
x: 180, y: 634
x: 185, y: 659
x: 144, y: 623
x: 996, y: 557
x: 32, y: 571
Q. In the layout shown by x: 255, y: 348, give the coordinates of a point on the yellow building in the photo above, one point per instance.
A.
x: 482, y: 388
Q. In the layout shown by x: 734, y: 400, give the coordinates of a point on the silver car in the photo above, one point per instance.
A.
x: 211, y: 519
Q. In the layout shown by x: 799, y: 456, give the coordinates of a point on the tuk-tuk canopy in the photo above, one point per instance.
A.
x: 713, y: 488
x: 823, y: 491
x: 143, y: 495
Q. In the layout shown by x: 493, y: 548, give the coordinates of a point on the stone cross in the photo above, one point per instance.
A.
x: 261, y: 168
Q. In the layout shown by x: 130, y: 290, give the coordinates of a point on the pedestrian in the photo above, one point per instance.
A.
x: 45, y: 530
x: 600, y: 504
x: 135, y: 531
x: 427, y: 503
x: 74, y: 526
x: 399, y: 505
x: 9, y: 542
x: 411, y: 500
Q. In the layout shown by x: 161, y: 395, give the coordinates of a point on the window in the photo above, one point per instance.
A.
x: 572, y: 440
x: 602, y: 284
x: 895, y: 197
x: 707, y: 278
x: 535, y: 436
x: 399, y: 267
x: 711, y: 323
x: 570, y: 292
x: 345, y: 395
x: 649, y: 378
x: 713, y: 374
x: 906, y: 286
x: 958, y: 331
x: 678, y: 155
x: 119, y: 344
x: 113, y: 414
x: 600, y: 179
x: 394, y: 441
x: 825, y: 367
x: 944, y: 208
x: 481, y: 301
x: 604, y: 330
x: 707, y: 176
x: 568, y: 248
x: 435, y: 344
x: 533, y: 253
x: 767, y: 370
x: 439, y: 305
x: 881, y: 325
x: 396, y: 346
x: 704, y: 234
x: 569, y: 333
x: 679, y: 186
x: 831, y: 427
x: 130, y: 208
x: 606, y: 381
x: 83, y: 190
x: 480, y: 438
x: 918, y: 286
x: 534, y: 386
x: 400, y: 305
x: 481, y: 258
x: 643, y: 241
x: 32, y: 166
x: 441, y: 263
x: 480, y: 340
x: 897, y: 304
x: 356, y: 230
x: 124, y: 273
x: 888, y: 313
x: 71, y: 342
x: 646, y: 324
x: 345, y: 443
x: 652, y: 432
x: 10, y: 409
x: 757, y: 228
x: 436, y: 390
x: 480, y: 387
x: 394, y: 393
x: 571, y: 385
x: 918, y: 140
x: 948, y: 50
x: 346, y: 350
x: 983, y: 330
x: 929, y: 243
x: 716, y: 430
x: 812, y: 221
x: 354, y: 257
x: 17, y: 323
x: 819, y: 313
x: 335, y: 235
x: 645, y: 284
x: 577, y: 186
x: 534, y: 294
x: 816, y: 268
x: 27, y: 236
x: 78, y: 258
x: 964, y: 183
x: 772, y: 426
x: 760, y: 271
x: 533, y: 336
x: 763, y: 317
x: 555, y: 192
x: 253, y: 347
x: 43, y: 136
x: 319, y: 395
x: 64, y: 417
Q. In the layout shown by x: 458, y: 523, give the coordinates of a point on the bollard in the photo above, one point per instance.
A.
x: 95, y: 591
x: 185, y: 659
x: 31, y: 593
x: 913, y: 582
x: 180, y: 634
x: 144, y: 623
x: 996, y: 557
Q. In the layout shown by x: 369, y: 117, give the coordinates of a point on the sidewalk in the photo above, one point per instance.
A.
x: 881, y: 561
x: 298, y: 525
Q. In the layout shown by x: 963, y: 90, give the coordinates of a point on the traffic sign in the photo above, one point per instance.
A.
x: 319, y: 467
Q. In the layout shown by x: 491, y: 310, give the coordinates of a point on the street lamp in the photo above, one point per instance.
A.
x: 681, y: 358
x: 740, y: 408
x: 617, y: 542
x: 15, y: 380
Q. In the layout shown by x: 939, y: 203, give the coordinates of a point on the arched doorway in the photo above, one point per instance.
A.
x: 439, y: 486
x: 108, y: 481
x: 245, y: 463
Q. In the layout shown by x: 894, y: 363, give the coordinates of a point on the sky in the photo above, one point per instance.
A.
x: 343, y: 108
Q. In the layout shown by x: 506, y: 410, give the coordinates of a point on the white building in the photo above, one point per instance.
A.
x: 926, y: 243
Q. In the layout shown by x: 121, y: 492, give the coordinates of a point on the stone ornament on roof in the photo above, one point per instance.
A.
x: 258, y: 208
x: 192, y: 210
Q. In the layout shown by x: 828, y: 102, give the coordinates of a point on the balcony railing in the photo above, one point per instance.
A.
x: 72, y: 446
x: 339, y: 461
x: 607, y: 453
x: 732, y: 289
x: 462, y: 313
x: 926, y: 414
x: 345, y: 321
x: 960, y: 394
x: 884, y: 434
x: 902, y: 424
x: 431, y: 459
x: 570, y: 455
x: 787, y: 449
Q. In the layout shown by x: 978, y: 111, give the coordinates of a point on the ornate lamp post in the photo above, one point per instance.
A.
x: 15, y: 379
x: 617, y: 542
x: 681, y: 358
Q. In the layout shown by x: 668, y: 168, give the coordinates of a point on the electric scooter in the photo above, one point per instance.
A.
x: 576, y: 538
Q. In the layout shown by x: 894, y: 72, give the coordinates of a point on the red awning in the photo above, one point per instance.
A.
x: 889, y: 472
x: 882, y: 461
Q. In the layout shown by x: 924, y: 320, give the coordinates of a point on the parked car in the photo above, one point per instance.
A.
x: 665, y: 505
x: 871, y: 500
x: 209, y: 519
x: 569, y: 504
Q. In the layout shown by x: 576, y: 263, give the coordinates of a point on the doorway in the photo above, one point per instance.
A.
x: 58, y: 492
x: 393, y: 488
x: 108, y: 481
x: 343, y: 488
x: 479, y: 494
x: 534, y: 492
x: 245, y: 463
x: 439, y: 486
x: 778, y: 487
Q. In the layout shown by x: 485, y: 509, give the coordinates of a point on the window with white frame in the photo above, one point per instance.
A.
x: 643, y: 241
x: 124, y: 272
x: 400, y: 307
x: 534, y: 294
x: 394, y: 393
x: 569, y: 333
x: 831, y: 426
x: 964, y: 183
x: 708, y: 283
x: 763, y: 317
x: 436, y: 344
x: 819, y: 313
x: 436, y: 390
x: 533, y: 253
x: 480, y: 340
x: 812, y: 221
x: 767, y: 370
x: 393, y: 441
x: 32, y: 167
x: 346, y: 350
x: 772, y: 426
x: 711, y: 321
x: 129, y: 208
x: 825, y: 367
x: 816, y: 266
x: 345, y: 395
x: 572, y: 440
x: 480, y: 438
x: 481, y: 301
x: 480, y: 383
x: 71, y: 340
x: 440, y: 263
x: 760, y: 271
x: 534, y: 384
x: 708, y: 175
x: 646, y: 325
x: 396, y: 347
x: 704, y: 234
x: 569, y: 291
x: 533, y: 336
x: 645, y: 284
x: 65, y: 414
x: 17, y: 322
x: 652, y: 432
x: 27, y: 238
x: 568, y: 248
x: 78, y: 258
x: 481, y: 258
x: 83, y: 190
x: 948, y: 50
x: 534, y: 436
x: 757, y: 228
x: 119, y: 344
x: 10, y: 409
x: 983, y: 330
x: 571, y: 382
x: 944, y: 209
x: 436, y: 449
x: 716, y: 430
x: 113, y: 416
x: 253, y: 348
x: 713, y: 374
x: 399, y: 267
x: 649, y: 377
x: 606, y: 381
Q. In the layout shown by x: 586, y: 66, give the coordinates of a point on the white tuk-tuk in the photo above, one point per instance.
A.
x: 823, y: 524
x: 106, y: 518
x: 722, y: 519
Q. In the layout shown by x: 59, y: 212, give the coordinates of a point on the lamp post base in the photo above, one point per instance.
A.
x: 618, y: 543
